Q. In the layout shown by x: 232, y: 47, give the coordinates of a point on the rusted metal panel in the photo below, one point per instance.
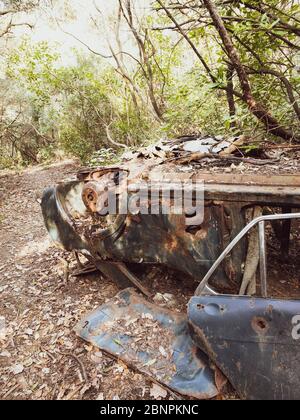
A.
x: 254, y: 194
x: 123, y: 328
x: 252, y: 341
x: 248, y: 180
x: 71, y: 213
x: 58, y: 220
x: 158, y: 239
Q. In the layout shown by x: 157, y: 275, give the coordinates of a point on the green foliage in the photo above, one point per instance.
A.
x: 34, y: 67
x: 91, y: 108
x: 6, y: 162
x: 103, y: 157
x: 73, y: 142
x: 195, y: 106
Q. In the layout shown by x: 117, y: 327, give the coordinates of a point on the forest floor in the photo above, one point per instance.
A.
x: 40, y: 355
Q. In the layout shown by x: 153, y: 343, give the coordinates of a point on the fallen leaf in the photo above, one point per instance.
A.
x: 147, y: 316
x: 163, y: 351
x: 158, y: 392
x: 17, y: 369
x: 5, y: 354
x: 151, y: 362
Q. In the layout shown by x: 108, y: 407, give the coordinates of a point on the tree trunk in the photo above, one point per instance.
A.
x: 230, y: 95
x: 252, y: 262
x: 144, y: 58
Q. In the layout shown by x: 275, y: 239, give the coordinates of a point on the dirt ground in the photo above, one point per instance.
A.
x: 40, y: 355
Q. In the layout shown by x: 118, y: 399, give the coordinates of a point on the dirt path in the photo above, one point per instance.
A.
x: 40, y: 356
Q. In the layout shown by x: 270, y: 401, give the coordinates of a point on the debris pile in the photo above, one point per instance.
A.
x: 219, y: 155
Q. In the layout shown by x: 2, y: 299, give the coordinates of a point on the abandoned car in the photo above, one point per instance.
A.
x: 239, y: 327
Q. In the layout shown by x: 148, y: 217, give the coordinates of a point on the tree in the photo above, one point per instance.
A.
x: 11, y: 13
x: 15, y: 134
x: 152, y: 63
x: 265, y: 33
x: 80, y: 108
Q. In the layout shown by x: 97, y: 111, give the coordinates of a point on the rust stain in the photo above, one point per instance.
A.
x: 260, y: 326
x: 201, y: 234
x: 172, y: 243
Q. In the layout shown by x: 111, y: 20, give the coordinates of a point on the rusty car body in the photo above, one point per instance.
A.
x: 247, y: 338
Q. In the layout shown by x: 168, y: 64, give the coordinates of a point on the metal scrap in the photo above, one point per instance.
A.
x: 155, y: 340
